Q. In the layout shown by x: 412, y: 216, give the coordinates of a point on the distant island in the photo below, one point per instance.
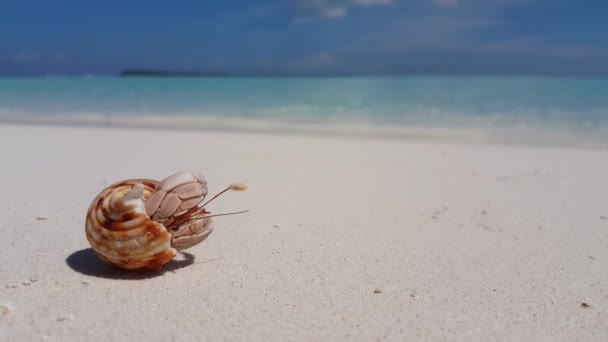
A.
x: 166, y: 73
x: 169, y: 73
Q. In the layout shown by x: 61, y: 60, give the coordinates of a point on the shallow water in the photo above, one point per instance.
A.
x: 395, y: 102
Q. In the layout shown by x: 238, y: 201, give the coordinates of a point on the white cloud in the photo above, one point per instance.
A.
x: 29, y: 58
x: 438, y: 24
x: 333, y: 8
x: 59, y: 58
x: 446, y: 3
x: 315, y: 62
x: 372, y: 2
x: 25, y: 58
x: 478, y: 4
x: 332, y: 12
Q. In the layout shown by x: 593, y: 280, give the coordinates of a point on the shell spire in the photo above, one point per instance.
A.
x: 121, y: 232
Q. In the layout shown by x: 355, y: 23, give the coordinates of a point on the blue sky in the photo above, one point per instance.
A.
x: 75, y: 37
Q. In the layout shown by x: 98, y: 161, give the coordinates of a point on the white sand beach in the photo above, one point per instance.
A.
x: 347, y: 239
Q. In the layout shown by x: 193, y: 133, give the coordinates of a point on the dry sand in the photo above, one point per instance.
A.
x: 348, y: 239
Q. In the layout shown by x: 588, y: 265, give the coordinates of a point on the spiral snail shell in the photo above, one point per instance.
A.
x: 142, y: 223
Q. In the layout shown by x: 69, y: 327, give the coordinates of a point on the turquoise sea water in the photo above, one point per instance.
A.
x: 399, y: 101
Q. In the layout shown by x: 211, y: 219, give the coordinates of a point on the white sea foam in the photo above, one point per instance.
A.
x: 532, y: 133
x: 513, y: 110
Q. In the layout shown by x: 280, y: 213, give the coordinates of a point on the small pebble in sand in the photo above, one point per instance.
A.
x: 5, y: 309
x: 85, y: 282
x: 590, y: 257
x: 377, y: 291
x: 483, y: 212
x: 585, y: 305
x: 11, y: 286
x: 276, y: 225
x: 70, y: 317
x: 26, y: 282
x: 42, y: 217
x: 603, y: 217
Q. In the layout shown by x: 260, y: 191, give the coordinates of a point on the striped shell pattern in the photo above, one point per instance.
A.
x: 141, y: 223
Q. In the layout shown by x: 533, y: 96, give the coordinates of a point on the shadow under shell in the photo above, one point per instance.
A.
x: 85, y: 261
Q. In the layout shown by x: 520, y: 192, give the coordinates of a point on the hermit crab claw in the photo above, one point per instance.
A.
x: 175, y: 195
x: 191, y: 233
x: 175, y: 204
x: 178, y: 205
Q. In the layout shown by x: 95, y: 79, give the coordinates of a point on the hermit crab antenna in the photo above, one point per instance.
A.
x: 236, y: 187
x: 224, y: 214
x: 202, y: 215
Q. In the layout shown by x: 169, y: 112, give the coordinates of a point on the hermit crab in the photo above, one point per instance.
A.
x: 142, y: 223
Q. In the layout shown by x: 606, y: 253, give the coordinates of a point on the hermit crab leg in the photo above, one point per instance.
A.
x: 195, y: 212
x: 190, y: 214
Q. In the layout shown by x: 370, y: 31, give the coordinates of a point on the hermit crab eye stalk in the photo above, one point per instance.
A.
x: 238, y: 187
x: 235, y: 186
